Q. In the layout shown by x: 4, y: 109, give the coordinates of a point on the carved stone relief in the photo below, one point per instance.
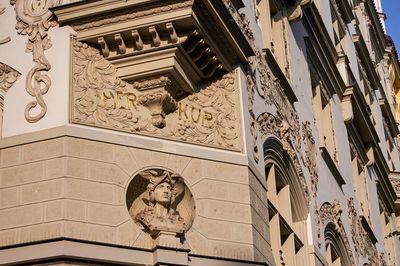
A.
x: 276, y: 125
x: 159, y: 202
x: 154, y: 106
x: 6, y: 39
x: 8, y: 76
x: 332, y: 213
x: 356, y: 229
x: 242, y: 21
x: 310, y: 156
x: 34, y: 19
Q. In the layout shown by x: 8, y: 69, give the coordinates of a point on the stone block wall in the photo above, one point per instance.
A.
x: 76, y: 188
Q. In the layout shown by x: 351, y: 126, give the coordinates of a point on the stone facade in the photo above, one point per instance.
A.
x: 188, y: 132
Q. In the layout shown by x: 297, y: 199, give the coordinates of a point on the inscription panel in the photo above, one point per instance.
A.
x: 154, y: 106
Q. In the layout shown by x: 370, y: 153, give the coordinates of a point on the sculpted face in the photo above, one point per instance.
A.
x: 162, y: 194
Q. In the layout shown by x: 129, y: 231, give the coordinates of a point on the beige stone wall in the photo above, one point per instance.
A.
x: 76, y: 188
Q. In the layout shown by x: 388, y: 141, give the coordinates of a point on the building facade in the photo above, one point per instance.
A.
x: 198, y: 132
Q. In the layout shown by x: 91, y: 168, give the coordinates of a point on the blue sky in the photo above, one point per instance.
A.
x: 392, y: 10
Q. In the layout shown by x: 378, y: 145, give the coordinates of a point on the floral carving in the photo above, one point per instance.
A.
x: 270, y: 124
x: 241, y: 20
x: 357, y: 232
x: 251, y: 86
x: 217, y: 99
x: 310, y: 156
x: 8, y: 76
x: 154, y: 106
x: 34, y: 19
x: 95, y: 90
x: 159, y: 103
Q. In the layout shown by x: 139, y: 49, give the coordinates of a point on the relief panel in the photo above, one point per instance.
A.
x: 154, y: 106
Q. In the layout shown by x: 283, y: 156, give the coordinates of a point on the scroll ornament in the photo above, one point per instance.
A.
x: 34, y: 19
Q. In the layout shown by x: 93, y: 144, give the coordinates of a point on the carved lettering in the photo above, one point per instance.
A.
x: 194, y: 114
x: 182, y: 109
x: 119, y: 100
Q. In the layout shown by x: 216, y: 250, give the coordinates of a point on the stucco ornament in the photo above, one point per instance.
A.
x: 310, y: 156
x: 154, y: 106
x: 164, y: 188
x: 8, y: 76
x: 270, y: 124
x: 34, y: 19
x: 6, y: 39
x: 331, y: 213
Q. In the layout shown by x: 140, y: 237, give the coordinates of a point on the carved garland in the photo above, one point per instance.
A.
x: 34, y: 19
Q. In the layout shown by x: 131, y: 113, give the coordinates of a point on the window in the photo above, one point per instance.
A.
x: 287, y: 207
x: 335, y: 247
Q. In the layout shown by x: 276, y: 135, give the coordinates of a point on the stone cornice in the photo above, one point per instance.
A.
x: 191, y: 40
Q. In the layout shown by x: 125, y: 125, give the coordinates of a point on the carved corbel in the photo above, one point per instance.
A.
x: 347, y: 106
x: 156, y: 98
x: 295, y: 11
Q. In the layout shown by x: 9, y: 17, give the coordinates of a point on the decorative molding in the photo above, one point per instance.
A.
x: 251, y: 87
x: 8, y: 76
x: 310, y: 156
x: 154, y: 106
x: 6, y: 39
x: 357, y: 232
x: 34, y: 19
x: 331, y: 213
x: 269, y: 124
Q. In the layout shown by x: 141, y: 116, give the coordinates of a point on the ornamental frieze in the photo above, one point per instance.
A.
x: 154, y: 106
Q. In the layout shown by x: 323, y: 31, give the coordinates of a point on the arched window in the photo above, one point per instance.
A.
x: 336, y: 251
x: 287, y: 206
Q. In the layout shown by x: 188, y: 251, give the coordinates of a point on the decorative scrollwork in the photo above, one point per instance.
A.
x: 34, y: 19
x: 154, y: 106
